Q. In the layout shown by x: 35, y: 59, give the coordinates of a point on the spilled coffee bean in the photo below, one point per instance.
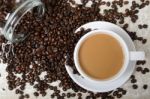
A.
x: 145, y: 87
x: 135, y: 86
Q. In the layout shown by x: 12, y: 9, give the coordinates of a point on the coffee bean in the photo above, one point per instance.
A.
x: 126, y: 2
x: 63, y: 94
x: 146, y: 69
x: 140, y: 26
x: 144, y: 41
x: 68, y: 95
x: 133, y: 80
x: 145, y: 26
x: 134, y: 86
x: 36, y: 94
x: 139, y: 69
x: 147, y: 2
x: 145, y: 87
x: 125, y: 26
x: 115, y: 93
x: 79, y: 94
x: 108, y: 4
x: 119, y: 95
x: 124, y: 92
x: 17, y: 91
x: 132, y: 77
x: 27, y: 96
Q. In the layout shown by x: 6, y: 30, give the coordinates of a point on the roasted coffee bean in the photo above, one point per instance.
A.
x: 144, y: 41
x: 145, y: 26
x: 132, y: 77
x: 124, y: 92
x: 63, y: 94
x: 126, y: 2
x: 68, y: 95
x: 133, y: 80
x: 140, y: 26
x: 139, y: 69
x: 145, y: 87
x: 125, y: 26
x: 36, y: 94
x: 26, y: 96
x: 134, y: 86
x: 17, y: 91
x: 79, y: 94
x: 147, y: 2
x: 119, y: 95
x: 146, y: 69
x: 43, y: 93
x: 108, y: 4
x: 115, y: 93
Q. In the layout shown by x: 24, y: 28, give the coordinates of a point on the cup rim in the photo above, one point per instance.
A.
x: 124, y: 48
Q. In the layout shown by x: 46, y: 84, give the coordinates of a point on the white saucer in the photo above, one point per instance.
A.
x: 95, y: 86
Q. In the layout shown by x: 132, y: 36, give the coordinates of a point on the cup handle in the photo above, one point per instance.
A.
x: 137, y: 55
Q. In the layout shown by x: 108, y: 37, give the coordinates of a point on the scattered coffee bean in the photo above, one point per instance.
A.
x: 126, y: 2
x: 108, y: 4
x: 145, y: 87
x: 119, y: 95
x: 134, y: 86
x: 140, y: 26
x: 115, y: 93
x: 145, y: 26
x: 124, y: 92
x: 36, y: 94
x: 26, y: 96
x: 147, y: 2
x: 146, y: 69
x: 139, y: 69
x: 144, y: 41
x: 132, y: 77
x: 133, y: 80
x: 125, y: 26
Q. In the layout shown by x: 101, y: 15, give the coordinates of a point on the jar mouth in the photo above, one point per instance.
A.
x: 17, y: 15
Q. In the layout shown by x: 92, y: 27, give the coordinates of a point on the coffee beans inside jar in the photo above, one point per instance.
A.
x: 51, y: 44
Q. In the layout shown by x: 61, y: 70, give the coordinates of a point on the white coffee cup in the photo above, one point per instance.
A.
x: 128, y: 55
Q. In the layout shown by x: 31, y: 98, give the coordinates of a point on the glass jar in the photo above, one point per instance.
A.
x: 14, y: 18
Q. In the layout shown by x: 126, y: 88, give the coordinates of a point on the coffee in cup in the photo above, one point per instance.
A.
x: 102, y: 55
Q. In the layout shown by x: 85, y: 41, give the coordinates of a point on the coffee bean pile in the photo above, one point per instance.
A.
x: 51, y: 43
